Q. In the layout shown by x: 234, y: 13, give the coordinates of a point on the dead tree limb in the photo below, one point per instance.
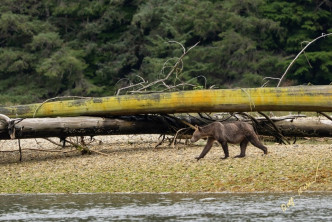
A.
x: 177, y: 68
x: 20, y: 149
x: 324, y: 114
x: 309, y: 43
x: 281, y: 137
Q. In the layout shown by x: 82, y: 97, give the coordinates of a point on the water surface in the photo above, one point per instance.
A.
x: 316, y: 206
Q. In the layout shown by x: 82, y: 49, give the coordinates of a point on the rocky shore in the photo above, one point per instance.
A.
x: 132, y: 164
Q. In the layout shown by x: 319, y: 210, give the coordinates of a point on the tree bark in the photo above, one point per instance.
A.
x: 63, y: 127
x: 298, y: 98
x: 304, y: 128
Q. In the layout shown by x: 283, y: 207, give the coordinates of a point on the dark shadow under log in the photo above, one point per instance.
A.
x: 63, y: 127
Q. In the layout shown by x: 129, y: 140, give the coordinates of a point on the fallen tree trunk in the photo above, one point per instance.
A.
x: 298, y: 98
x: 303, y: 128
x: 63, y: 127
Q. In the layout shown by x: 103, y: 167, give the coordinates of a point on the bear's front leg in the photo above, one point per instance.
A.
x: 206, y: 148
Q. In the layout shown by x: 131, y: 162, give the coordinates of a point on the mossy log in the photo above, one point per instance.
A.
x: 298, y: 98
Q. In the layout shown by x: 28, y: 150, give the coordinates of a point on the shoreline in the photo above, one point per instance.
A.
x: 168, y: 193
x: 133, y: 165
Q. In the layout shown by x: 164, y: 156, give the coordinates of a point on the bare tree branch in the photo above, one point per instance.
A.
x: 309, y: 43
x: 172, y: 70
x: 175, y: 70
x: 132, y: 85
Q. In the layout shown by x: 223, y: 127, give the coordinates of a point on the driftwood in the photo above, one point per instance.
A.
x: 304, y: 128
x: 63, y: 127
x: 298, y: 98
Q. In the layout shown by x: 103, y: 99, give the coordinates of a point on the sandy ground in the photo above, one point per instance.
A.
x: 132, y: 164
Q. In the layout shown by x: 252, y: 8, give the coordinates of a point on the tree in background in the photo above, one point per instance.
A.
x: 303, y: 21
x: 90, y: 48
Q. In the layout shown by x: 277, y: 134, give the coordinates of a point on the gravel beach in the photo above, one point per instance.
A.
x: 133, y: 164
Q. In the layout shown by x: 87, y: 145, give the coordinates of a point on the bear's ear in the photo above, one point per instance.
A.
x: 199, y: 128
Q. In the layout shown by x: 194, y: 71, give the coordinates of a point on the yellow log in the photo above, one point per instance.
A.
x: 298, y: 98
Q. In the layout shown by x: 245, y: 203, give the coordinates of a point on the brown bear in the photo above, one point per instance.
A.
x: 233, y: 132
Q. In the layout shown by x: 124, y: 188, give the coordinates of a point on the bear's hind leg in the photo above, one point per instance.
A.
x: 225, y: 148
x: 255, y: 141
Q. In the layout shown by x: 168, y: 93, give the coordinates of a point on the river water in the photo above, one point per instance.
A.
x: 309, y: 206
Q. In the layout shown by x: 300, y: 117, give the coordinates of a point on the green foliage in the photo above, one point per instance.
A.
x: 304, y: 21
x: 46, y: 42
x: 21, y: 89
x: 14, y: 62
x: 90, y: 48
x: 64, y: 69
x: 320, y: 72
